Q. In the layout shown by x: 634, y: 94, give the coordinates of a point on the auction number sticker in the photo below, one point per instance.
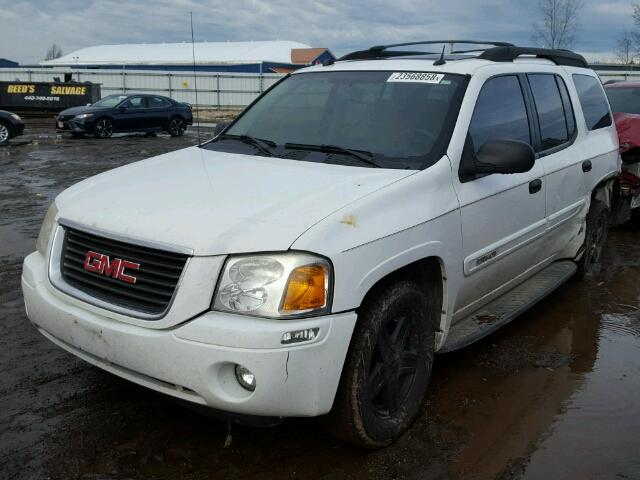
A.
x: 421, y: 77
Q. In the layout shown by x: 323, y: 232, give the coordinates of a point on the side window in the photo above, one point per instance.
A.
x: 500, y: 113
x: 158, y: 102
x: 593, y: 101
x: 550, y: 110
x: 134, y: 102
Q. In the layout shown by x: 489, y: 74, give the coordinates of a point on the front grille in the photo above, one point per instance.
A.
x: 156, y: 279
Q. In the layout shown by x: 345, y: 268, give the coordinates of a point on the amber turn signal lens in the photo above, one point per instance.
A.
x: 306, y: 289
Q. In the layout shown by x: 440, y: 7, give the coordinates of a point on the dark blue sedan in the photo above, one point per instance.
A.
x: 126, y: 113
x: 11, y: 125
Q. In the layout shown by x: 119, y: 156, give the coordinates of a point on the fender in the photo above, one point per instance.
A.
x: 368, y: 239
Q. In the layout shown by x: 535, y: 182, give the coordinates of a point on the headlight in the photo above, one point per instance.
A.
x: 279, y: 285
x: 45, y: 230
x: 17, y: 117
x: 84, y: 115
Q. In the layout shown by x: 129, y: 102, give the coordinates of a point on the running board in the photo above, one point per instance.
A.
x: 507, y: 307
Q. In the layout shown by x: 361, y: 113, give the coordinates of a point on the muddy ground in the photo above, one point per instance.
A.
x: 554, y: 395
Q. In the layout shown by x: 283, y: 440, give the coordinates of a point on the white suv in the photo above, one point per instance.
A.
x: 353, y: 221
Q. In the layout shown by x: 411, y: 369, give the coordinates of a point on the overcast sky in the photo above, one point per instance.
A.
x: 29, y: 27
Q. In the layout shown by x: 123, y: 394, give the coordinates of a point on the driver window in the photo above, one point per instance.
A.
x: 134, y: 102
x: 500, y: 113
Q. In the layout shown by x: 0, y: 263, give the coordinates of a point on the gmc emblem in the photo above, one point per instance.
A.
x: 102, y: 265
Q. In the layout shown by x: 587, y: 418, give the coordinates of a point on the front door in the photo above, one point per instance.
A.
x: 131, y: 114
x: 503, y: 216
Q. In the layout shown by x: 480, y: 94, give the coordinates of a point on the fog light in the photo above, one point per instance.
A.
x: 246, y: 379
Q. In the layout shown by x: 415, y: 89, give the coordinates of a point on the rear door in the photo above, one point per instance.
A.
x: 159, y: 111
x: 561, y: 157
x: 503, y: 216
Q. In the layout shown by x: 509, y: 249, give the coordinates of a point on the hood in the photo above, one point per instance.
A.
x: 218, y: 203
x: 82, y: 109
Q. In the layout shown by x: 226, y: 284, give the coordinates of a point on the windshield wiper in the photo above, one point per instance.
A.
x: 363, y: 156
x: 260, y: 144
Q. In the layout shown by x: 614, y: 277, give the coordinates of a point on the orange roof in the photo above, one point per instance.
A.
x: 282, y: 69
x: 304, y: 56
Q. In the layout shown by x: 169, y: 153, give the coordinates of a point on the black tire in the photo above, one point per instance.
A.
x: 103, y: 128
x: 595, y: 240
x: 377, y: 400
x: 5, y: 132
x: 177, y: 126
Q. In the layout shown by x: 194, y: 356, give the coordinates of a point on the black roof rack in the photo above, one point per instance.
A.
x: 557, y: 56
x: 496, y: 52
x: 381, y: 51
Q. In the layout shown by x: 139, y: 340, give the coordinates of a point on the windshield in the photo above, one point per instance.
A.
x: 109, y: 101
x: 626, y: 100
x: 399, y: 119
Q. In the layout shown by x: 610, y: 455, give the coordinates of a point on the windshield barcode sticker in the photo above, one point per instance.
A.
x: 421, y: 77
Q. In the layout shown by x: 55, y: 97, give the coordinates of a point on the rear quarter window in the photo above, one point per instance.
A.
x: 550, y: 109
x: 593, y: 101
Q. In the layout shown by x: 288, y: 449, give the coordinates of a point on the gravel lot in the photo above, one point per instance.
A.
x: 553, y: 395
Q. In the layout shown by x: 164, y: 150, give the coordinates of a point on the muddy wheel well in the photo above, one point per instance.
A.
x: 607, y: 191
x: 428, y: 272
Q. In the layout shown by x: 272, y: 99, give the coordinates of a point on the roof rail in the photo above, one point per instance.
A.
x: 381, y: 51
x: 557, y: 56
x: 496, y: 52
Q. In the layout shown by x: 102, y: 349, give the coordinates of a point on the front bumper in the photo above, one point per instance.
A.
x: 74, y: 126
x: 195, y: 360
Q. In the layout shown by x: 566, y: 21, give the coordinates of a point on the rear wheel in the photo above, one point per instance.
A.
x: 177, y: 126
x: 5, y: 133
x: 103, y: 128
x: 597, y: 230
x: 385, y: 375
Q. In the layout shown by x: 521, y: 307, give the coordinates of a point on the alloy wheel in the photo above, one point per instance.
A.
x: 104, y: 128
x: 4, y: 133
x: 176, y: 127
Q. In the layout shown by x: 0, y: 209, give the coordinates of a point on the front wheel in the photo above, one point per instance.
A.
x: 597, y: 230
x: 385, y: 375
x: 177, y: 127
x: 103, y: 128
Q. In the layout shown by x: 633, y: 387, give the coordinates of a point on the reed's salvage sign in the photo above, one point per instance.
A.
x: 21, y: 88
x: 46, y: 95
x: 66, y: 90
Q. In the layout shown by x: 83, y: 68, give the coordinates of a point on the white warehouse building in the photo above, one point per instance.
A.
x: 247, y: 57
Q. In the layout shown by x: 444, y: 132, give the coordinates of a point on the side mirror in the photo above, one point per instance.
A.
x: 502, y: 156
x: 219, y: 128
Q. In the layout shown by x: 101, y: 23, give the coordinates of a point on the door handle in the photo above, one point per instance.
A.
x: 586, y: 166
x: 535, y: 186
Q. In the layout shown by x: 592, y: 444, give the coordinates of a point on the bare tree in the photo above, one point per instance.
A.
x: 54, y: 51
x: 626, y: 48
x: 636, y: 13
x: 558, y: 23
